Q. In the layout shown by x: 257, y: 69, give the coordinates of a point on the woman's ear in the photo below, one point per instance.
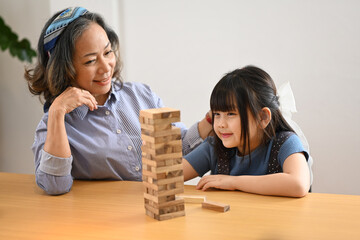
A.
x: 265, y: 117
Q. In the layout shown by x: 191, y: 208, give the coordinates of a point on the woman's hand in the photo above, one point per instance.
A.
x: 57, y: 142
x: 72, y: 98
x: 225, y: 182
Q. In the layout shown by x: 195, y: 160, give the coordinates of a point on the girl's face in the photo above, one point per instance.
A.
x: 94, y: 62
x: 227, y: 126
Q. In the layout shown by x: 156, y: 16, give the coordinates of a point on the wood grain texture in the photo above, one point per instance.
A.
x: 115, y: 210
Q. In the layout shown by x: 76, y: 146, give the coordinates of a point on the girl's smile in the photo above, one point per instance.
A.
x: 226, y: 135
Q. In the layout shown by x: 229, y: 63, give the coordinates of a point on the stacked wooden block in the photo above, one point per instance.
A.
x: 162, y: 163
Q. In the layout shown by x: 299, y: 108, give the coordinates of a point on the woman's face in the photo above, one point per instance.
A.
x: 94, y: 62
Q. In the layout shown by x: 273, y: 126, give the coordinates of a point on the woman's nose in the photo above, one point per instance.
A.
x: 104, y: 66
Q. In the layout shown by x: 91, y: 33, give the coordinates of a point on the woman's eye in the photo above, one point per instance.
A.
x: 89, y: 62
x: 108, y: 52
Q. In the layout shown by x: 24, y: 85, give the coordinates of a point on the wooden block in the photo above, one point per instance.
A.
x: 171, y: 203
x: 151, y: 124
x: 170, y: 192
x: 169, y: 168
x: 146, y: 153
x: 159, y: 200
x: 175, y: 206
x: 191, y: 198
x: 149, y: 162
x: 171, y: 215
x: 172, y: 209
x: 164, y: 204
x: 162, y: 121
x: 175, y: 174
x: 167, y: 216
x: 162, y: 191
x: 161, y: 139
x: 172, y: 131
x: 174, y: 146
x: 158, y: 113
x: 159, y: 127
x: 169, y: 180
x: 155, y: 175
x: 216, y: 206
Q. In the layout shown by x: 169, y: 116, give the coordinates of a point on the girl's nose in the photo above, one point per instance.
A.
x: 222, y: 122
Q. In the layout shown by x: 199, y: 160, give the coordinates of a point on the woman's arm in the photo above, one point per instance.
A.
x: 53, y: 157
x: 294, y: 181
x: 204, y: 126
x: 57, y: 142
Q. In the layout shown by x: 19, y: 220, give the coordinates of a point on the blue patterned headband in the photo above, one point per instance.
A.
x: 59, y: 24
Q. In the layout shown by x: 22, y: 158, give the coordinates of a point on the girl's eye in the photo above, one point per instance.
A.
x: 231, y: 114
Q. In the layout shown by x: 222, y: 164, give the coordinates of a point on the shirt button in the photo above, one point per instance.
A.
x: 107, y: 112
x: 137, y: 169
x: 129, y: 147
x: 118, y: 131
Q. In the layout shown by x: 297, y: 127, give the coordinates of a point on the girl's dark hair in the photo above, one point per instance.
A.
x: 53, y: 74
x: 249, y: 88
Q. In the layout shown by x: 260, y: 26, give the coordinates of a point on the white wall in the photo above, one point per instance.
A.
x: 19, y: 111
x: 182, y: 48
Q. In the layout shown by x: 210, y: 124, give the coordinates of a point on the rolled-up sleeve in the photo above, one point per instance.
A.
x: 52, y: 173
x: 54, y: 165
x: 190, y: 137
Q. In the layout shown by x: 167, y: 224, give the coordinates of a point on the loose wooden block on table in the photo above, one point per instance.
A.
x: 216, y: 206
x: 191, y: 198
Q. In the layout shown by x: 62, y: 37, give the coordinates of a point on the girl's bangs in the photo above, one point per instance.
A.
x: 223, y: 100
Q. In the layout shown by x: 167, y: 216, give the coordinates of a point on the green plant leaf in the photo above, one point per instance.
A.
x: 9, y: 40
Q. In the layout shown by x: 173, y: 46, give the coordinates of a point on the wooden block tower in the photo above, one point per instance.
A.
x: 162, y: 163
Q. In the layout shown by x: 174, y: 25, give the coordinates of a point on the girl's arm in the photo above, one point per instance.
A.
x: 294, y: 181
x: 189, y: 171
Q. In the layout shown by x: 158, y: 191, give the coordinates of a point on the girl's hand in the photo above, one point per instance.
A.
x: 72, y: 98
x: 225, y: 182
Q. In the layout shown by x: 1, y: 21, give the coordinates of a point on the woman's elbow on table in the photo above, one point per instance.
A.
x: 54, y: 185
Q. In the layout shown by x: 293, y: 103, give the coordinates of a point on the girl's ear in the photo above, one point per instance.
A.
x: 265, y: 117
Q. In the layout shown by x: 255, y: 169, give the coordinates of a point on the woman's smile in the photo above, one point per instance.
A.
x: 103, y: 82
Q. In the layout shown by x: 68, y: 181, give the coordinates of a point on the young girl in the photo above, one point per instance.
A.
x: 247, y: 120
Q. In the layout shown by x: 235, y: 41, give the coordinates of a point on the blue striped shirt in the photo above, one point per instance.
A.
x: 105, y: 143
